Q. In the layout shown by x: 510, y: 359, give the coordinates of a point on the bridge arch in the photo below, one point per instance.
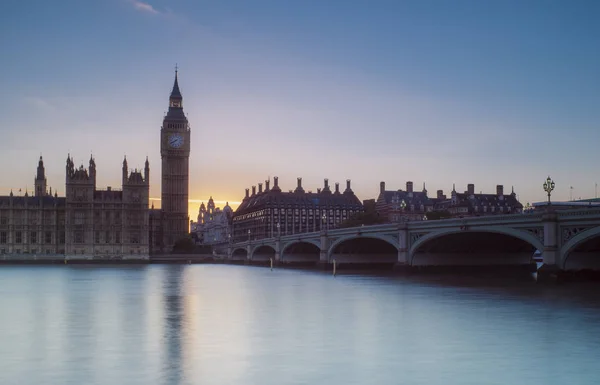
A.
x: 522, y: 235
x: 346, y: 238
x: 301, y: 251
x: 578, y: 240
x: 239, y: 253
x: 365, y: 248
x: 262, y: 253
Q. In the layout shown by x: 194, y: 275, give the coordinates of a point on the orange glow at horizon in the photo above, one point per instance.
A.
x: 194, y: 205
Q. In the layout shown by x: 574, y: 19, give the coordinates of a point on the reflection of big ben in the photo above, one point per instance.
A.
x: 175, y: 154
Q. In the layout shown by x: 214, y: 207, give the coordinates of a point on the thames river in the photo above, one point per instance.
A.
x: 218, y: 324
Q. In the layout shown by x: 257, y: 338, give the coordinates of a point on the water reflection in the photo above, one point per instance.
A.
x: 180, y: 325
x: 173, y: 324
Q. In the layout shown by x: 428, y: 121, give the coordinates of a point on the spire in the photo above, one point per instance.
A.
x: 176, y: 93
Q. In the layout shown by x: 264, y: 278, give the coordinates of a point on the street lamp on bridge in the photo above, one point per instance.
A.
x: 249, y: 232
x: 548, y: 187
x: 278, y: 229
x: 325, y: 225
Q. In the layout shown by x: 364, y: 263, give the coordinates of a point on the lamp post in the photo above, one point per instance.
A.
x: 249, y: 232
x: 278, y: 229
x: 325, y: 224
x: 548, y: 187
x: 403, y: 207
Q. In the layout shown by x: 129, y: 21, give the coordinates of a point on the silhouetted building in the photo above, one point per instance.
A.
x: 213, y: 225
x: 272, y: 212
x: 399, y: 205
x: 471, y: 204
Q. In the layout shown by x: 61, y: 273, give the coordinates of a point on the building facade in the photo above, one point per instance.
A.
x: 171, y: 222
x: 469, y: 204
x: 213, y: 225
x: 272, y: 212
x: 399, y: 205
x: 409, y: 205
x: 87, y: 222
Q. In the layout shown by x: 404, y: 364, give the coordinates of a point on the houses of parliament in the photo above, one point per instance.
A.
x: 109, y: 223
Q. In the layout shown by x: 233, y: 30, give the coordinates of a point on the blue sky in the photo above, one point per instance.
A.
x: 442, y: 92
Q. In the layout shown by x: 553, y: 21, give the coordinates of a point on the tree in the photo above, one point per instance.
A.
x: 184, y: 245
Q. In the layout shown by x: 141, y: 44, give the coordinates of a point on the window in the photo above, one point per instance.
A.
x: 107, y: 237
x: 3, y: 237
x: 62, y: 237
x: 97, y: 237
x: 117, y: 237
x: 48, y: 237
x: 33, y: 237
x: 18, y: 237
x: 4, y: 221
x: 78, y: 236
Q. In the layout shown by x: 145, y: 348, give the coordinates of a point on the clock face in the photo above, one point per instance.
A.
x: 175, y: 140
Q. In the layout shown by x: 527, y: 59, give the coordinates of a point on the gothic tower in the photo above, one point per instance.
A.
x: 40, y: 179
x: 175, y: 154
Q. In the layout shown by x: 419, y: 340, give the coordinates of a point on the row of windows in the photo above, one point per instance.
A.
x: 296, y: 212
x: 33, y: 237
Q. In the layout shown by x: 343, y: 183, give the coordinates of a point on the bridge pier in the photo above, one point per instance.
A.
x: 403, y: 262
x: 551, y: 270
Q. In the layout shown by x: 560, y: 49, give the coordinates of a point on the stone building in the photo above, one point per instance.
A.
x: 213, y: 225
x: 87, y: 222
x: 272, y: 212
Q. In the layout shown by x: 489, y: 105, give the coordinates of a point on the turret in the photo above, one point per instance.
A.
x: 125, y: 176
x: 381, y: 187
x: 92, y: 170
x: 147, y: 172
x: 40, y: 179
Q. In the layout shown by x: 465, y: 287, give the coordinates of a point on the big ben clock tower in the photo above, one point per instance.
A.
x: 175, y: 154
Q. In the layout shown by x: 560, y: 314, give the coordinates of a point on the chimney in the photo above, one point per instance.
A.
x: 260, y: 188
x: 253, y: 190
x: 318, y: 190
x: 267, y: 182
x: 275, y: 181
x: 247, y: 193
x: 440, y: 194
x: 499, y: 190
x: 337, y: 188
x: 348, y: 189
x: 381, y: 187
x: 299, y: 183
x: 471, y: 189
x: 409, y: 187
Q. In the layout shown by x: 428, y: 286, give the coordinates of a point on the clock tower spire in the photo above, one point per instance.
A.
x: 175, y: 153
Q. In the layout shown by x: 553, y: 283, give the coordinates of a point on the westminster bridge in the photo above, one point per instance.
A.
x: 567, y: 240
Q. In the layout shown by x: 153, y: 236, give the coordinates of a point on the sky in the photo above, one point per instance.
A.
x: 430, y: 91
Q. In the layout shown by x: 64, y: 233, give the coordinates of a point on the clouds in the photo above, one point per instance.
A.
x: 144, y: 7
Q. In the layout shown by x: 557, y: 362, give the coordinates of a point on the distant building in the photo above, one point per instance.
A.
x: 213, y: 225
x: 399, y: 205
x: 272, y: 212
x: 471, y: 204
